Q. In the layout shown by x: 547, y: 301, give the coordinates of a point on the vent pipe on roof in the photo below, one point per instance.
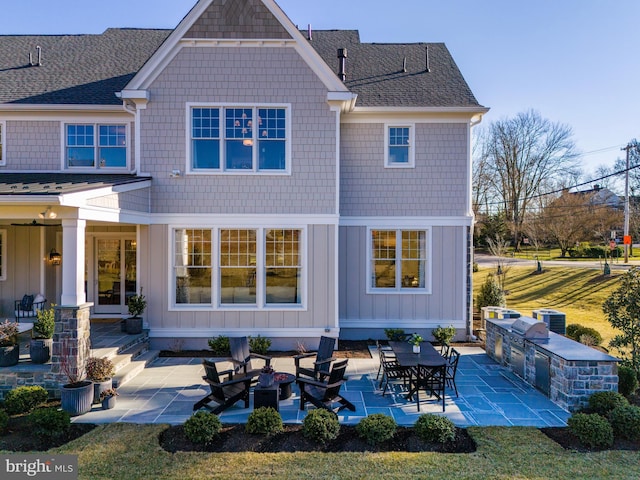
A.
x: 342, y: 58
x: 30, y: 59
x: 39, y: 49
x: 309, y: 37
x: 427, y: 69
x: 404, y: 65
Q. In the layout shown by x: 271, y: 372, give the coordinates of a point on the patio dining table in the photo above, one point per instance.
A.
x: 428, y: 358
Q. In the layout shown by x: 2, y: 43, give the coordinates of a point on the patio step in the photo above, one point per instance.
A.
x: 134, y: 367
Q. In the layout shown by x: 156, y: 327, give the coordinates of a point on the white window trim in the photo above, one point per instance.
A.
x: 261, y: 301
x: 3, y: 252
x: 96, y: 123
x: 221, y: 171
x: 412, y: 142
x: 398, y: 290
x: 3, y: 142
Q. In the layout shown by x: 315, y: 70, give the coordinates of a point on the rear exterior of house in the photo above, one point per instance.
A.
x: 251, y: 178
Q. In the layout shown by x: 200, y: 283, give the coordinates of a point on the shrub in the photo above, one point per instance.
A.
x: 490, y: 295
x: 395, y: 334
x: 100, y: 369
x: 46, y: 323
x: 625, y: 421
x: 4, y: 421
x: 591, y: 335
x: 321, y: 425
x: 376, y: 428
x: 444, y: 335
x: 259, y: 345
x: 50, y: 422
x: 220, y: 346
x: 603, y: 402
x: 627, y: 381
x: 592, y: 430
x: 265, y: 421
x: 475, y: 267
x: 24, y: 399
x: 434, y: 428
x: 202, y: 427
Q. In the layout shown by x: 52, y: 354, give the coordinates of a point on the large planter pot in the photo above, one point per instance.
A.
x: 134, y: 325
x: 40, y: 350
x: 76, y: 399
x: 9, y: 355
x: 265, y: 380
x: 109, y: 402
x: 99, y: 387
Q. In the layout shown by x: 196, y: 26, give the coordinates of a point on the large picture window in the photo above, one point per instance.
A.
x: 192, y: 266
x: 256, y: 267
x: 398, y: 260
x: 95, y: 146
x: 238, y: 139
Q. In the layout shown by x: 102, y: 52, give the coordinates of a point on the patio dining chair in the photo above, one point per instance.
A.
x: 243, y: 359
x: 391, y: 369
x: 322, y: 363
x: 452, y: 368
x: 325, y: 394
x: 225, y: 392
x: 431, y: 379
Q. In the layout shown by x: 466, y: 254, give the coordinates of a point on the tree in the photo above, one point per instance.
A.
x: 521, y: 154
x: 622, y: 309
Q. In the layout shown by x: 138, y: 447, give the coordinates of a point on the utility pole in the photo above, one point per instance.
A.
x: 626, y: 204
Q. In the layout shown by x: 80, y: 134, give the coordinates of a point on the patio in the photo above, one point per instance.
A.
x: 166, y: 390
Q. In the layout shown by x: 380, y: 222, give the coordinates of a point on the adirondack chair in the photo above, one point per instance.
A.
x: 325, y: 394
x: 242, y: 358
x: 224, y: 392
x: 322, y: 363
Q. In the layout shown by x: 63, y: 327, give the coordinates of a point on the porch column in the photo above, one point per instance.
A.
x: 73, y: 233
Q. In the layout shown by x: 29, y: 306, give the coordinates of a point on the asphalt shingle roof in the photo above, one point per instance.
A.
x: 90, y: 69
x: 59, y: 183
x: 76, y: 69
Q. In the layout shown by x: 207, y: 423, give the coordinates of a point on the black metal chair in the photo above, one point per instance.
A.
x: 322, y: 363
x: 325, y: 394
x: 452, y: 368
x: 224, y: 392
x: 391, y: 369
x: 28, y: 307
x: 445, y: 350
x: 242, y: 358
x: 431, y: 379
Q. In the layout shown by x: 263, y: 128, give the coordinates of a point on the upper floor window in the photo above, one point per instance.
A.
x: 399, y: 151
x: 96, y: 146
x: 3, y: 157
x: 239, y: 139
x: 398, y: 260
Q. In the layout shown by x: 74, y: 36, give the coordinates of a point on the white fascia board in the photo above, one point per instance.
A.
x: 77, y: 199
x: 463, y: 221
x: 292, y: 332
x: 345, y: 100
x: 469, y: 110
x: 133, y: 94
x: 189, y: 220
x: 12, y: 107
x: 393, y: 114
x: 17, y: 200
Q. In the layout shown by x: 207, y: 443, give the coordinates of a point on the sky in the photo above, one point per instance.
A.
x: 574, y: 61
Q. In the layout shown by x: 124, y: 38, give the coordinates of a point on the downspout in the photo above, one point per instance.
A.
x: 136, y: 114
x: 475, y: 120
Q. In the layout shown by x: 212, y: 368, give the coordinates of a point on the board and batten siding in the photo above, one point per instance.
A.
x: 245, y: 76
x: 437, y: 186
x: 319, y: 276
x: 444, y: 305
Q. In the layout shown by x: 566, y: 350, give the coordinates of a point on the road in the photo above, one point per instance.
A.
x: 488, y: 261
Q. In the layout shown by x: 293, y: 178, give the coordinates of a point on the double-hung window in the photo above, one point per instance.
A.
x: 3, y: 157
x: 398, y: 260
x: 236, y: 139
x: 399, y: 151
x: 95, y: 146
x: 250, y: 267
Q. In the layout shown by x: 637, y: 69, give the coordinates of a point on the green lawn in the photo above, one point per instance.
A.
x: 125, y: 451
x: 577, y: 292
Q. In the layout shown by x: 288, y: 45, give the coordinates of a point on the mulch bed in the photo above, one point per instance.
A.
x: 19, y: 436
x: 234, y: 438
x: 568, y: 441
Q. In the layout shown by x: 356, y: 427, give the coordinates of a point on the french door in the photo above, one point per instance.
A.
x: 115, y: 274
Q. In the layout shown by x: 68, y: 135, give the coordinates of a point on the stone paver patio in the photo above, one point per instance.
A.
x: 488, y: 395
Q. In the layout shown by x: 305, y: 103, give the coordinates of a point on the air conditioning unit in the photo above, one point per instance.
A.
x: 506, y: 313
x: 556, y: 321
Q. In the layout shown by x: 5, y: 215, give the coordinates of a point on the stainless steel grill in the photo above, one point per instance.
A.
x: 530, y: 328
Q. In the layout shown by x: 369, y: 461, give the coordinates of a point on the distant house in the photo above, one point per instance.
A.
x: 252, y: 178
x: 602, y: 196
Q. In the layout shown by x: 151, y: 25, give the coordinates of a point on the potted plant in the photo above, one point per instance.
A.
x: 415, y: 340
x: 42, y: 336
x: 76, y: 396
x: 9, y: 347
x: 108, y: 398
x: 266, y: 377
x: 100, y: 371
x: 137, y: 305
x: 444, y: 335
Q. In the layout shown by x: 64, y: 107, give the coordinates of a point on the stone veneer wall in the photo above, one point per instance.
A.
x: 71, y: 334
x: 571, y: 381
